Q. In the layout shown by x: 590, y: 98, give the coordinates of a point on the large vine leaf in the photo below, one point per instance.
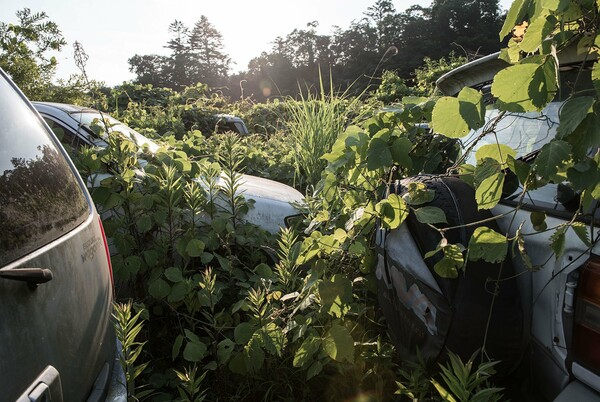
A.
x: 452, y: 261
x: 338, y: 343
x: 583, y: 174
x: 551, y: 158
x: 488, y: 245
x: 516, y: 12
x: 379, y: 154
x: 159, y: 289
x: 431, y: 215
x: 572, y: 113
x: 272, y: 338
x: 497, y: 152
x: 537, y: 31
x: 488, y: 181
x: 392, y: 211
x: 400, y: 150
x: 306, y: 351
x: 586, y: 135
x: 526, y: 87
x: 456, y: 117
x: 194, y: 351
x: 336, y: 295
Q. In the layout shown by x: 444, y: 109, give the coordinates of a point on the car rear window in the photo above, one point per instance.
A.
x: 40, y: 197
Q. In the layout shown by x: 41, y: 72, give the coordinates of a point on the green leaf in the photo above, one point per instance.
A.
x: 446, y: 396
x: 338, y: 343
x: 520, y: 239
x: 451, y: 263
x: 194, y: 352
x: 514, y: 16
x: 400, y: 149
x: 174, y: 274
x: 418, y: 194
x: 176, y: 347
x: 151, y: 257
x: 314, y: 370
x: 520, y: 168
x: 596, y: 76
x: 583, y: 174
x: 586, y: 135
x: 195, y: 248
x: 526, y: 87
x: 431, y: 215
x: 538, y: 29
x: 392, y: 211
x: 378, y: 153
x: 551, y: 158
x: 488, y: 245
x: 178, y: 292
x: 538, y: 220
x: 243, y: 333
x: 557, y: 241
x: 224, y: 350
x: 272, y: 338
x: 336, y: 295
x: 556, y: 5
x: 497, y: 152
x: 133, y: 263
x: 488, y: 192
x: 306, y: 351
x: 159, y: 289
x: 144, y: 224
x: 456, y: 117
x: 582, y: 231
x: 572, y: 113
x: 254, y: 357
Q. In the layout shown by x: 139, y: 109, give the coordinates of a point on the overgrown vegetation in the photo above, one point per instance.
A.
x: 234, y: 313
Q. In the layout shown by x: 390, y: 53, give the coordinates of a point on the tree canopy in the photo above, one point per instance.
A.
x: 382, y: 39
x: 25, y: 48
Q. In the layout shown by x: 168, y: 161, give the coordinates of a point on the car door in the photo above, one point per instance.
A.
x: 56, y: 338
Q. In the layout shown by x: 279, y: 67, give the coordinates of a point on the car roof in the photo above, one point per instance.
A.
x: 66, y: 107
x: 471, y: 74
x: 483, y: 70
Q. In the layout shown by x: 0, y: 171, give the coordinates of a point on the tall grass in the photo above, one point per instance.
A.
x: 313, y: 124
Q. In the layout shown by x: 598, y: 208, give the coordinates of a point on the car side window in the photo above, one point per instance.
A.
x: 41, y: 197
x: 69, y: 139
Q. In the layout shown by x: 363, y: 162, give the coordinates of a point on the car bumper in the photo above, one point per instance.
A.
x: 117, y: 389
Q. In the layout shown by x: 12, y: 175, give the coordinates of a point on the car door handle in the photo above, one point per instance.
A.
x: 46, y: 387
x: 33, y: 276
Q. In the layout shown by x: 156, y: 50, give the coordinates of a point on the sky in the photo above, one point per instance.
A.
x: 112, y: 31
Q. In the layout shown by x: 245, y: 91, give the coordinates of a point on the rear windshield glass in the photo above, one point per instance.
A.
x: 90, y: 118
x: 40, y: 197
x: 523, y: 132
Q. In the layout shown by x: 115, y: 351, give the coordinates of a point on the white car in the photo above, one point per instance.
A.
x: 545, y: 320
x: 274, y: 202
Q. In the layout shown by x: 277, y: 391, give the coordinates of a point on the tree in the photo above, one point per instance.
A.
x: 180, y: 60
x: 209, y: 63
x: 24, y: 49
x: 196, y: 57
x: 150, y: 69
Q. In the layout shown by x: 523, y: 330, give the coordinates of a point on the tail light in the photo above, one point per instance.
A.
x: 112, y: 282
x: 586, y: 331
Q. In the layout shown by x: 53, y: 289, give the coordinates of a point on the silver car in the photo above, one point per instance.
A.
x: 547, y: 313
x: 57, y: 340
x: 273, y: 201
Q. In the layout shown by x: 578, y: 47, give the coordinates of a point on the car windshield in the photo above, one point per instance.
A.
x: 89, y: 118
x: 523, y: 132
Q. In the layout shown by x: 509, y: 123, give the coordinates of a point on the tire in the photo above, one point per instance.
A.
x: 462, y: 305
